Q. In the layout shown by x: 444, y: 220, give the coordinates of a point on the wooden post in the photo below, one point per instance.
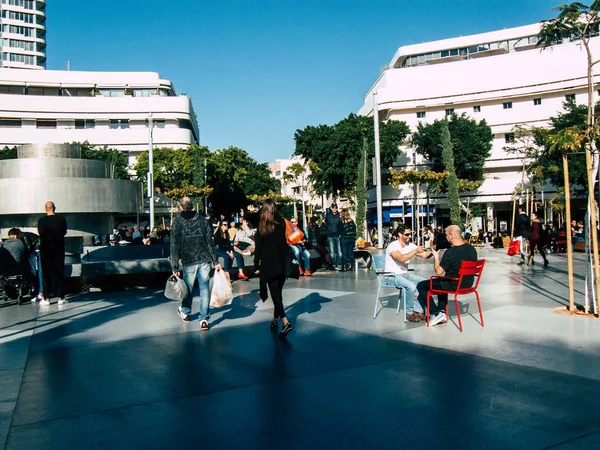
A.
x: 568, y: 229
x: 593, y: 233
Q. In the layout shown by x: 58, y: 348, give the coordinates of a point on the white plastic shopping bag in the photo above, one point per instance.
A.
x: 221, y: 293
x: 176, y: 289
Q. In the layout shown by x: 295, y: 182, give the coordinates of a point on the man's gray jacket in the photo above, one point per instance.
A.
x: 191, y: 241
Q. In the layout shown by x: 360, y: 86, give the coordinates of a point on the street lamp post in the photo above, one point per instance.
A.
x: 378, y: 172
x: 205, y: 198
x: 150, y: 180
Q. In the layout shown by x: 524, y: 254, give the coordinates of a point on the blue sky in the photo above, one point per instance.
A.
x: 259, y: 70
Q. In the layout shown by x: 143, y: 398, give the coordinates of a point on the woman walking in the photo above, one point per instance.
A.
x: 347, y: 230
x: 537, y: 239
x: 270, y: 258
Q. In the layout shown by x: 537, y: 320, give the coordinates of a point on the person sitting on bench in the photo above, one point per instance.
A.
x: 13, y: 255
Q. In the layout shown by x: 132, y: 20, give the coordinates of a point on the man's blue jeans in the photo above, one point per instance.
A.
x: 302, y: 256
x: 35, y: 262
x: 335, y: 251
x: 409, y: 282
x: 202, y: 273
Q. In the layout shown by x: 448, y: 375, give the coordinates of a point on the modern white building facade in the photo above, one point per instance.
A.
x: 23, y: 34
x: 498, y: 76
x: 103, y: 108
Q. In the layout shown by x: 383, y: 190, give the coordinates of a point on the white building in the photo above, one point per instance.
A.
x: 498, y: 76
x: 23, y: 34
x: 103, y: 108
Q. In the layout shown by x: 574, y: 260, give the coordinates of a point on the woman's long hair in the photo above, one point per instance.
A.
x: 267, y: 217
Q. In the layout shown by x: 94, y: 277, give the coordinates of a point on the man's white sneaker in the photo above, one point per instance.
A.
x: 185, y: 317
x: 439, y: 318
x: 63, y: 301
x: 45, y: 302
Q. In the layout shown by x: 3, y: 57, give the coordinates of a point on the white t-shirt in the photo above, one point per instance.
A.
x: 391, y: 265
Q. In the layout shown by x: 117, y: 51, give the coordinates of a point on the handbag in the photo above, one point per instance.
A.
x: 293, y: 234
x: 514, y: 248
x: 221, y: 294
x: 176, y: 289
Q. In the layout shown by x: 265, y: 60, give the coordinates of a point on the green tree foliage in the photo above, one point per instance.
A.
x: 117, y: 158
x: 547, y: 165
x: 361, y: 191
x: 8, y: 153
x: 172, y: 168
x: 452, y: 180
x: 337, y: 150
x: 471, y: 142
x: 234, y: 176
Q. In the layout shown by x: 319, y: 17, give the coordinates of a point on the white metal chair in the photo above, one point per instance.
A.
x: 386, y: 280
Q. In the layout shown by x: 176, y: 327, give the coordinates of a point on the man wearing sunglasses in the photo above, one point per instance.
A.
x: 397, y: 256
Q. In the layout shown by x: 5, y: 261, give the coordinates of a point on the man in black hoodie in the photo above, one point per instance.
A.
x: 332, y: 218
x: 521, y: 231
x: 192, y: 243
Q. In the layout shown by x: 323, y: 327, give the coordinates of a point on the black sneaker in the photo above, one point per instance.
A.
x: 285, y: 330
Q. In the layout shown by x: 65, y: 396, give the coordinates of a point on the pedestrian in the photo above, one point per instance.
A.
x: 192, y: 242
x: 332, y: 218
x: 32, y: 242
x: 537, y: 239
x: 270, y: 261
x: 52, y: 230
x: 347, y: 232
x: 521, y: 231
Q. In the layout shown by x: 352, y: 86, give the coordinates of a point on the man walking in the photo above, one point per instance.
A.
x: 397, y: 256
x: 52, y: 230
x: 521, y: 232
x: 449, y: 266
x: 192, y: 243
x: 332, y: 218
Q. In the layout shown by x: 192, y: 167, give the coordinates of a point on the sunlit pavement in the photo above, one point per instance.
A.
x: 121, y: 370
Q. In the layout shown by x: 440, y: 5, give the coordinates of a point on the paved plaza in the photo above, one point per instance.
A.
x: 120, y: 370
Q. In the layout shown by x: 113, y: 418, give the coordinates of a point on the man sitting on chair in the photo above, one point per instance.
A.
x: 397, y: 256
x: 449, y: 266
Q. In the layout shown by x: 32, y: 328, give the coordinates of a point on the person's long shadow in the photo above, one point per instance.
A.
x: 241, y: 306
x: 310, y: 304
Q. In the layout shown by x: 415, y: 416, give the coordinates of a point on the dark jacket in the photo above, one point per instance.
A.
x: 223, y: 242
x: 522, y: 225
x: 31, y: 241
x: 270, y: 255
x: 331, y: 224
x: 347, y: 229
x: 52, y: 230
x: 191, y: 241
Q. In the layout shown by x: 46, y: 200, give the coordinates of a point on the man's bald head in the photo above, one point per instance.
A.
x: 186, y: 204
x: 50, y: 207
x: 454, y: 230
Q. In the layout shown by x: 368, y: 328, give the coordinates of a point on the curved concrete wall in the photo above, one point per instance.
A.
x: 50, y: 168
x: 49, y: 150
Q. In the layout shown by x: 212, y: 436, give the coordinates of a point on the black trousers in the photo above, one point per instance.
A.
x: 276, y: 289
x: 53, y: 267
x: 423, y: 288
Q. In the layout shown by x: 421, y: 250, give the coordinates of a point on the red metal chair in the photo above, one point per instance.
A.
x: 467, y: 268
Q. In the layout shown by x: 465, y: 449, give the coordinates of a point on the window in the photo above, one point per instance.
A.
x: 507, y: 105
x: 570, y: 97
x: 119, y: 123
x: 46, y: 123
x: 81, y: 124
x: 449, y: 111
x: 420, y: 114
x: 537, y: 101
x: 16, y: 90
x: 10, y: 123
x: 156, y: 123
x: 509, y: 138
x: 477, y: 108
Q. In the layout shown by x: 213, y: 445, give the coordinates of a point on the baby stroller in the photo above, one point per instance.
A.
x: 15, y: 281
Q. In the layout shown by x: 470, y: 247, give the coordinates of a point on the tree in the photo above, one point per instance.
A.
x: 234, y: 175
x: 337, y: 150
x: 117, y: 158
x: 580, y: 22
x: 452, y: 180
x: 525, y: 147
x: 172, y: 168
x: 8, y: 153
x: 547, y: 165
x: 298, y: 173
x: 361, y: 192
x: 471, y: 143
